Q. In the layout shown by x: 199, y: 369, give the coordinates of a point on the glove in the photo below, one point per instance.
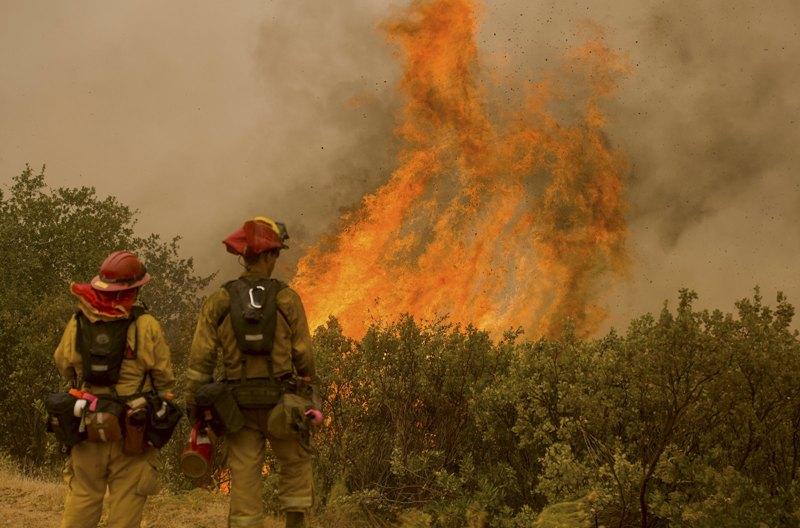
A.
x: 314, y: 416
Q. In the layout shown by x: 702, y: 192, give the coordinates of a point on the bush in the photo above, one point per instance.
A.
x: 401, y: 406
x: 663, y: 426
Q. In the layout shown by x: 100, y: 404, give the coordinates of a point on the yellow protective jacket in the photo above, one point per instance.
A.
x: 291, y: 351
x: 145, y: 337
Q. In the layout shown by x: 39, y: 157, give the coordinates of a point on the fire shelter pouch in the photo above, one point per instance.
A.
x: 61, y: 419
x: 287, y: 421
x: 219, y: 400
x: 103, y: 423
x: 257, y: 394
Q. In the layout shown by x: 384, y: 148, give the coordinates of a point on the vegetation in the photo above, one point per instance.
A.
x: 690, y: 418
x: 49, y: 238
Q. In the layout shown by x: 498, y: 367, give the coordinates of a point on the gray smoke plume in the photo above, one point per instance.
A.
x: 709, y: 122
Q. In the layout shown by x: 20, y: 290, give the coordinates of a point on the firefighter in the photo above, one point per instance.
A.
x: 113, y: 352
x: 278, y: 351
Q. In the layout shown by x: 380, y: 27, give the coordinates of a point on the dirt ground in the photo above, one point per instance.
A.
x: 33, y: 503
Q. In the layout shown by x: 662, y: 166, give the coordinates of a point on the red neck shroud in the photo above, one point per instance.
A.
x: 106, y: 304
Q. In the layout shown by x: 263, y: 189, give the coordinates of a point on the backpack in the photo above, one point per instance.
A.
x: 254, y: 313
x: 102, y: 346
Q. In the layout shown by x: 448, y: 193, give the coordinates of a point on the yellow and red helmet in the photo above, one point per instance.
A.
x: 257, y: 236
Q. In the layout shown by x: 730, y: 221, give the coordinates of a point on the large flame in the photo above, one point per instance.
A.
x: 499, y: 224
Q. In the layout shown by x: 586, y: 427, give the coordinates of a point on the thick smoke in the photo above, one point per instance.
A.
x: 709, y: 122
x: 201, y: 114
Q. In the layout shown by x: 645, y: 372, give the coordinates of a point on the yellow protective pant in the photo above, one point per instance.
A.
x: 91, y: 469
x: 246, y: 459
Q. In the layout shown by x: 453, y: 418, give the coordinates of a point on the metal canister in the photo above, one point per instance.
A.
x: 198, y: 454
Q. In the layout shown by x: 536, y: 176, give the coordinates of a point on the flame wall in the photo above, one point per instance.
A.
x: 501, y: 217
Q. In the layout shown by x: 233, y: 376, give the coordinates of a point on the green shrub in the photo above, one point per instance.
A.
x: 444, y: 421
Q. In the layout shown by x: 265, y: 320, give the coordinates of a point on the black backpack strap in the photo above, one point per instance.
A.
x: 223, y: 316
x: 227, y: 309
x: 78, y: 382
x: 281, y: 286
x: 136, y: 312
x: 140, y: 388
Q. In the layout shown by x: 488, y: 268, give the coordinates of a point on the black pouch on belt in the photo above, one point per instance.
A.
x: 218, y: 400
x: 162, y: 420
x: 61, y: 419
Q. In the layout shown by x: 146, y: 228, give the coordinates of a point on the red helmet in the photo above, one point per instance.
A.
x: 121, y: 270
x: 257, y: 236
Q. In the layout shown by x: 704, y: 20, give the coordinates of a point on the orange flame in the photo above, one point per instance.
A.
x: 499, y: 225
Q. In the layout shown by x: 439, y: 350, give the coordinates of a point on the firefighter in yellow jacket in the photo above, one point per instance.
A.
x: 279, y: 351
x: 112, y: 350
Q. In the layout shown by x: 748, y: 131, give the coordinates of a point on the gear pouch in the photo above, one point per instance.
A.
x: 163, y: 417
x: 61, y: 419
x: 219, y: 400
x: 134, y: 442
x: 103, y: 423
x: 287, y: 421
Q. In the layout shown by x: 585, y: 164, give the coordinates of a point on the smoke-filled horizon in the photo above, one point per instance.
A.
x: 202, y: 115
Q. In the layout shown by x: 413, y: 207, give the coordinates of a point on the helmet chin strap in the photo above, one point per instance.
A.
x: 122, y: 293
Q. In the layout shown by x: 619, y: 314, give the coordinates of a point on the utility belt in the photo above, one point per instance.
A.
x: 286, y: 399
x: 257, y: 393
x: 141, y: 420
x: 220, y: 404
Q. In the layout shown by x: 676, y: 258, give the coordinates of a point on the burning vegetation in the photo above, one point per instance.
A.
x: 501, y: 222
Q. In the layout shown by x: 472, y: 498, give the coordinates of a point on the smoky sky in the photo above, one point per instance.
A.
x: 201, y: 114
